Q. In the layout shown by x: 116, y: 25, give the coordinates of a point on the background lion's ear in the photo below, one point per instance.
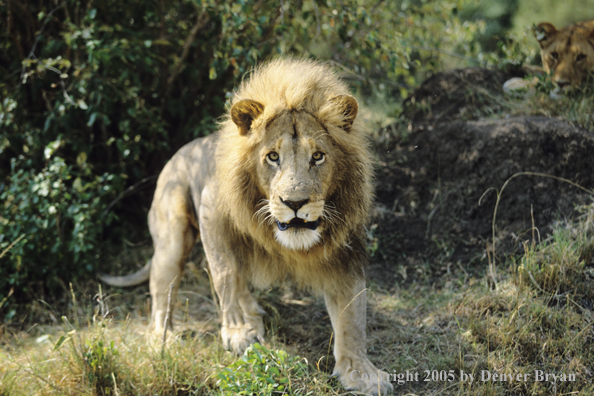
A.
x: 244, y: 112
x: 543, y: 32
x: 348, y: 107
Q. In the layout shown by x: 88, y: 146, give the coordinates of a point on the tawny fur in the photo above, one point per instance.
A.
x: 568, y: 53
x: 302, y: 86
x: 290, y: 151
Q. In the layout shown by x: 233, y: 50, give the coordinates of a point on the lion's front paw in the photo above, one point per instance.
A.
x: 358, y: 373
x: 238, y: 338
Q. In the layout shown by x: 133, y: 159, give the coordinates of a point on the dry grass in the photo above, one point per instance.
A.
x: 537, y: 319
x: 576, y: 107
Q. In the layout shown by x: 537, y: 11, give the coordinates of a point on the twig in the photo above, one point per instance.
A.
x: 10, y: 247
x: 115, y: 385
x: 102, y: 309
x: 32, y: 52
x: 201, y: 21
x: 7, y: 297
x: 127, y: 192
x: 500, y: 192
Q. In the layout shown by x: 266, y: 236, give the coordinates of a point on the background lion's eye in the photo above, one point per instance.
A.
x: 580, y: 57
x: 554, y: 55
x: 273, y: 156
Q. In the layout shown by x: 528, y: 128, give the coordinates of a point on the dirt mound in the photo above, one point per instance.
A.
x: 456, y: 94
x: 430, y: 185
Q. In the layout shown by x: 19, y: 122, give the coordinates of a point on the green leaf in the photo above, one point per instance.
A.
x: 60, y: 342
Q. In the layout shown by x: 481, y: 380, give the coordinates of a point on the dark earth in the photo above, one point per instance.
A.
x: 428, y: 221
x: 430, y: 215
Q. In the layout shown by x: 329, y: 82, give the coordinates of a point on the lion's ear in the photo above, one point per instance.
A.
x: 348, y: 107
x: 244, y: 112
x: 543, y: 32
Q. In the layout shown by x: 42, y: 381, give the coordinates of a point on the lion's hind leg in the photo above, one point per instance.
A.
x: 173, y: 236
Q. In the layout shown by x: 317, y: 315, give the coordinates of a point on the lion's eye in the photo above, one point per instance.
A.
x: 554, y: 55
x: 580, y: 57
x: 318, y: 157
x: 272, y: 157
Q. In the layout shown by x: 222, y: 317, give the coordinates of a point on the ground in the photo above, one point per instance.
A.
x: 437, y: 227
x: 437, y: 185
x: 438, y: 188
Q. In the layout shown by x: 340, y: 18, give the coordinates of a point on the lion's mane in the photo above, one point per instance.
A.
x: 308, y: 86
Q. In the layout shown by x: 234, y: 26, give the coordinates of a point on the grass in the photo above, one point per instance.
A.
x: 577, y: 107
x: 433, y: 337
x: 537, y: 320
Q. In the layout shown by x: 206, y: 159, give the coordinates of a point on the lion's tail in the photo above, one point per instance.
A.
x: 129, y: 280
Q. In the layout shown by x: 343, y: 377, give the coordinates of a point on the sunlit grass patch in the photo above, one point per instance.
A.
x: 523, y: 326
x: 113, y: 359
x: 561, y: 266
x: 539, y: 320
x: 576, y: 107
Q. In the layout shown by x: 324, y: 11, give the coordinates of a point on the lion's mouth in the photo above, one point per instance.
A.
x: 297, y: 223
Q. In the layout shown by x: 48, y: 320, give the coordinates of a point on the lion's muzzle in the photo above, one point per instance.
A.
x: 298, y: 223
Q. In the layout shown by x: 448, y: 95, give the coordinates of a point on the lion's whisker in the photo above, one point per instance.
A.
x: 332, y: 215
x: 263, y: 214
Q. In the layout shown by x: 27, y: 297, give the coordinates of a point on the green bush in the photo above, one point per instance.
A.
x: 261, y: 371
x: 97, y: 95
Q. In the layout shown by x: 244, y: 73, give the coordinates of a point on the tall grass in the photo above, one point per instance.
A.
x: 537, y: 320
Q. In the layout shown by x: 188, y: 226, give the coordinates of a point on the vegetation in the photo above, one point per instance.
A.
x: 536, y: 320
x: 96, y: 95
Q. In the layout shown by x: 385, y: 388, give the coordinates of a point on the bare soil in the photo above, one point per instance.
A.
x: 430, y: 215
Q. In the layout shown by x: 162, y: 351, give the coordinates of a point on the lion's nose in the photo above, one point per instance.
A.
x: 562, y: 83
x: 295, y: 205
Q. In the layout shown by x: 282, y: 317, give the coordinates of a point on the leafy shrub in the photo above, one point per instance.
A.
x: 261, y: 371
x: 97, y: 95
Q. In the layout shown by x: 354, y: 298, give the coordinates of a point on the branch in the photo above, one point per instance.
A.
x: 201, y: 21
x: 450, y: 53
x: 127, y: 192
x: 32, y: 53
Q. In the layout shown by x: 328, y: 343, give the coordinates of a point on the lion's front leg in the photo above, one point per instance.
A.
x: 347, y: 311
x: 241, y: 315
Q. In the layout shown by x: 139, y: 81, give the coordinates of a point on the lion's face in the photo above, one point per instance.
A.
x: 295, y: 170
x: 567, y: 54
x: 297, y: 165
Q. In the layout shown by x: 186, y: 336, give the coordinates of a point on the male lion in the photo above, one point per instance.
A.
x: 567, y: 56
x: 283, y: 190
